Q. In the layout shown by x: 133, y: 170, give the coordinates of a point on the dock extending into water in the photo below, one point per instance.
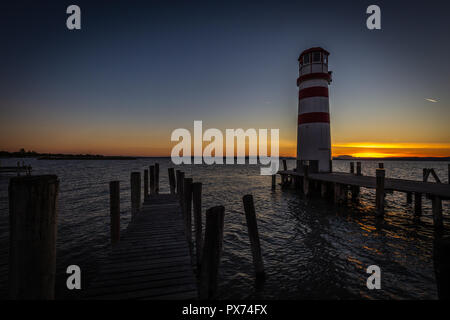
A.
x: 152, y: 259
x: 337, y: 185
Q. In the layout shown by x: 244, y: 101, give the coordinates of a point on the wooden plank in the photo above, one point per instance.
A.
x: 152, y: 258
x: 438, y: 189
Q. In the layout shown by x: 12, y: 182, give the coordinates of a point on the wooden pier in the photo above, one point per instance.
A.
x: 152, y: 259
x: 336, y: 185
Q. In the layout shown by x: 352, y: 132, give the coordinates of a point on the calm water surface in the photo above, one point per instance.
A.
x: 311, y: 249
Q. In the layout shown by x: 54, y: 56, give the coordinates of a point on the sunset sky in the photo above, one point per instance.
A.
x: 137, y: 70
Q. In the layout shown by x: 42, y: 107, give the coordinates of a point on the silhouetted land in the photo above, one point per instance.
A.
x: 60, y: 156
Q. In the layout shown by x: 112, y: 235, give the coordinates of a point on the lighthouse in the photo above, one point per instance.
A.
x: 313, y: 135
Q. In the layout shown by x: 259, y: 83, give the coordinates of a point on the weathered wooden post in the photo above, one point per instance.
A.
x: 274, y: 181
x: 437, y: 212
x: 197, y: 206
x: 135, y: 182
x: 152, y: 179
x: 380, y: 175
x: 145, y: 184
x: 157, y: 178
x: 253, y: 234
x: 424, y: 174
x: 409, y: 197
x: 381, y: 165
x: 306, y: 179
x: 352, y: 167
x: 441, y: 257
x: 172, y: 182
x: 417, y: 203
x: 178, y: 183
x: 340, y: 193
x: 284, y: 165
x: 32, y: 237
x: 187, y: 200
x: 212, y: 250
x: 358, y: 168
x: 323, y: 189
x: 114, y: 210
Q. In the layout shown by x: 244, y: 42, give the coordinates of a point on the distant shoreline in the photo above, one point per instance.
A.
x: 61, y: 156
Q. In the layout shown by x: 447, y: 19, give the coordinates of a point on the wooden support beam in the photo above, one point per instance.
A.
x: 157, y: 178
x: 352, y: 167
x: 284, y: 165
x: 32, y: 237
x: 417, y: 203
x: 152, y: 180
x: 172, y: 182
x: 274, y: 181
x: 135, y: 182
x: 197, y: 205
x: 114, y: 210
x: 252, y: 226
x: 187, y: 207
x: 178, y: 183
x: 358, y: 169
x: 437, y: 212
x: 212, y: 250
x: 381, y: 165
x: 340, y: 193
x: 441, y: 257
x: 409, y: 197
x: 380, y: 176
x: 145, y: 184
x: 306, y: 179
x: 323, y: 189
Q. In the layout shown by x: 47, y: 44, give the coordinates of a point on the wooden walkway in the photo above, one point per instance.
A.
x: 429, y: 188
x: 151, y: 260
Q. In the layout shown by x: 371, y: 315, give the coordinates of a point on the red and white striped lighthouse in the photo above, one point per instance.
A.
x: 313, y: 136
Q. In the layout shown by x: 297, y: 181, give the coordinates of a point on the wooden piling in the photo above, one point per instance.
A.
x: 284, y: 165
x: 32, y: 237
x: 152, y: 179
x: 253, y: 234
x: 441, y: 257
x: 178, y: 183
x: 274, y: 181
x: 181, y: 183
x: 187, y: 207
x: 157, y: 178
x: 305, y: 179
x: 114, y: 210
x: 135, y: 182
x: 323, y: 189
x: 172, y: 182
x: 212, y: 250
x: 409, y: 197
x: 197, y: 208
x: 380, y: 175
x: 358, y: 169
x: 145, y: 184
x: 352, y: 167
x: 340, y: 193
x: 437, y: 212
x: 448, y: 173
x: 381, y: 165
x: 417, y: 203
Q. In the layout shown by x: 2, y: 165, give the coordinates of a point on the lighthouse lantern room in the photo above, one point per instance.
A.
x: 313, y: 135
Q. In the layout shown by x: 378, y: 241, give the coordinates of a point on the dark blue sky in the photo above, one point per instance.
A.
x: 139, y: 69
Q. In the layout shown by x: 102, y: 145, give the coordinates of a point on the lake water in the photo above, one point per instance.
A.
x: 311, y: 248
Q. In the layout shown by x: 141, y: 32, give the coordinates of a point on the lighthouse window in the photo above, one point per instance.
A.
x: 316, y: 57
x: 306, y: 58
